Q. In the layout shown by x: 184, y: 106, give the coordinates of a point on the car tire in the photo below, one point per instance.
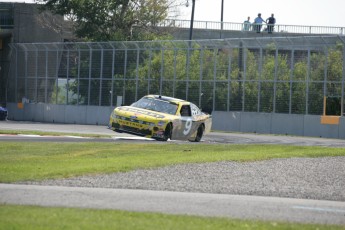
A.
x: 199, y: 133
x: 167, y: 132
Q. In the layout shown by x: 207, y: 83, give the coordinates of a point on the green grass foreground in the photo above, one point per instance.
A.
x: 35, y: 218
x: 37, y: 161
x: 45, y: 133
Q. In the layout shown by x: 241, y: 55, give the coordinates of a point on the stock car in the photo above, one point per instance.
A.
x: 161, y: 118
x: 3, y: 113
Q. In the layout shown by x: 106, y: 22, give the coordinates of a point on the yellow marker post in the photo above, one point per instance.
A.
x: 328, y: 120
x: 20, y: 105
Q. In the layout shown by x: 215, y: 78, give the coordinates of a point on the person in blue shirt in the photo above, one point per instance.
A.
x: 258, y: 23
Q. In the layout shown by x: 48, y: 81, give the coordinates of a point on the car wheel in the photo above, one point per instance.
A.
x: 167, y: 132
x: 199, y: 133
x: 118, y: 130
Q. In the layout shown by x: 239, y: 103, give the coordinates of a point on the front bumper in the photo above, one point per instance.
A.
x: 131, y: 129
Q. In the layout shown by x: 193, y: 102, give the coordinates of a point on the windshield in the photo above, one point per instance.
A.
x: 156, y: 105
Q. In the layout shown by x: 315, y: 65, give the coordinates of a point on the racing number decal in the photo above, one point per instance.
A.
x: 188, y: 126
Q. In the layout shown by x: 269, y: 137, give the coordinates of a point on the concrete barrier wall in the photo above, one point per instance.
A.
x: 265, y: 123
x: 342, y: 128
x: 270, y: 123
x: 67, y: 114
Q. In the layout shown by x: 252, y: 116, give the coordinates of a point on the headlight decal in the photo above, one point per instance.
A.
x: 160, y: 123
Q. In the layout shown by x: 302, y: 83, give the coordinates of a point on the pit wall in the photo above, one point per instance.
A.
x: 66, y: 114
x: 274, y: 123
x: 247, y: 122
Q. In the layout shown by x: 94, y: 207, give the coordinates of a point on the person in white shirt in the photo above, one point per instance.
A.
x: 246, y: 24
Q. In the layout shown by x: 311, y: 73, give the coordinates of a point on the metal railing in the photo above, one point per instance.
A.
x: 6, y: 21
x: 234, y: 26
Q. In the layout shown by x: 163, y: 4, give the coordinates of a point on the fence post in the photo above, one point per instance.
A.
x: 307, y: 84
x: 342, y: 107
x: 275, y: 80
x: 112, y: 74
x: 292, y: 67
x: 101, y: 76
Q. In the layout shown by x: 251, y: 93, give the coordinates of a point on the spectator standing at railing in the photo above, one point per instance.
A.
x: 270, y: 23
x: 258, y: 23
x: 247, y: 24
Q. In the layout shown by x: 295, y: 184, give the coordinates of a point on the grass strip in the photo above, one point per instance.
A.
x: 36, y: 218
x: 45, y: 133
x: 38, y: 161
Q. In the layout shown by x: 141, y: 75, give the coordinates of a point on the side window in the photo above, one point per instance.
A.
x: 185, y: 111
x: 195, y: 110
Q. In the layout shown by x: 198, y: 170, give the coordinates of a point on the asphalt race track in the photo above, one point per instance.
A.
x: 214, y: 137
x: 203, y: 204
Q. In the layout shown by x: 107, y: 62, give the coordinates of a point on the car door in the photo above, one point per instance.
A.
x: 187, y: 125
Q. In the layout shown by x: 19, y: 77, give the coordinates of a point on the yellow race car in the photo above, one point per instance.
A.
x: 162, y: 118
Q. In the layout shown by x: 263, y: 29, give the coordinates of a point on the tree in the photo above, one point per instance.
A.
x: 111, y: 20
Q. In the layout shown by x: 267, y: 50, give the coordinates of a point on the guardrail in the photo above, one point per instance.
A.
x: 212, y: 25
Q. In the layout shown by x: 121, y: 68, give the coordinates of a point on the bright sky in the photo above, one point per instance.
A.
x: 292, y: 12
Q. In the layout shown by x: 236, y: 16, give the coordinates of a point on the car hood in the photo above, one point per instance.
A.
x: 144, y: 114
